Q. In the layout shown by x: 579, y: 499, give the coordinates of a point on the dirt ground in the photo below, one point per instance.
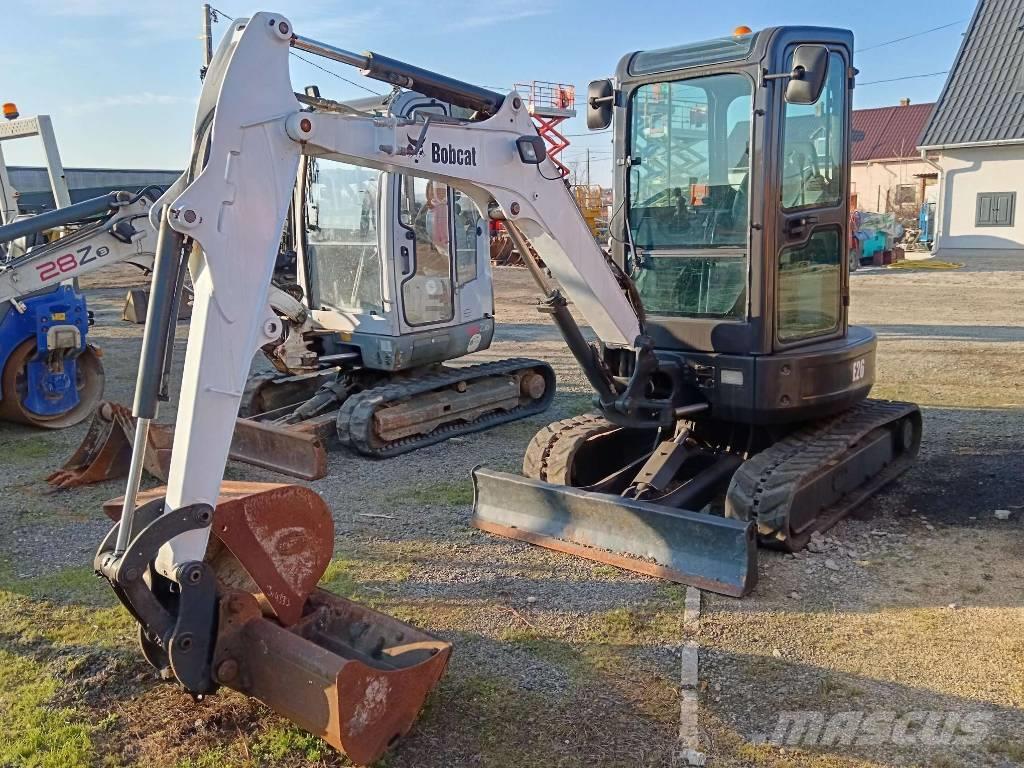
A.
x: 909, y: 617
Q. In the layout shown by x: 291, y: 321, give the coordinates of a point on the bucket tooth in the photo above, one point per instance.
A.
x: 703, y: 550
x: 352, y: 676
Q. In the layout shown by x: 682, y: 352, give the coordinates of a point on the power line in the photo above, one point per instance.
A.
x: 217, y: 12
x: 335, y: 74
x: 907, y: 77
x: 911, y: 36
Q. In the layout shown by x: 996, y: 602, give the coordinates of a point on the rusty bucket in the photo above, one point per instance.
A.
x: 353, y: 676
x: 105, y: 452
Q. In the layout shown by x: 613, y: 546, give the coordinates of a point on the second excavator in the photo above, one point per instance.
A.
x: 741, y: 415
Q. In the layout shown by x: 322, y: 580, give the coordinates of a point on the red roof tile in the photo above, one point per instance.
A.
x: 888, y: 132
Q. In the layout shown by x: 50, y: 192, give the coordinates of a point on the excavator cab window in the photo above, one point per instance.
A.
x: 810, y: 278
x: 467, y: 223
x: 689, y: 195
x: 341, y: 236
x: 813, y: 145
x: 425, y: 213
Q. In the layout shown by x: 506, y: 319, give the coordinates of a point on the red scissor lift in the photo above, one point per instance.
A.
x: 550, y: 105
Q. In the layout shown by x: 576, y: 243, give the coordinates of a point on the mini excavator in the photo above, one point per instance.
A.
x: 710, y: 385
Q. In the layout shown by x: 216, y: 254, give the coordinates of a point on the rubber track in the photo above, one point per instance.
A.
x: 549, y: 457
x: 764, y: 487
x: 355, y: 418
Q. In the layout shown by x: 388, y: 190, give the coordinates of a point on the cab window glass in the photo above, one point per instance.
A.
x: 813, y: 141
x: 425, y: 211
x: 689, y: 195
x: 809, y: 286
x: 341, y: 235
x: 466, y: 223
x: 690, y: 149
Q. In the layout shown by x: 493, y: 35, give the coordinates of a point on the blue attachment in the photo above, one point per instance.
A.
x: 48, y: 392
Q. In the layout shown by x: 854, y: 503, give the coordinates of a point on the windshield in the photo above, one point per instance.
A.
x: 689, y: 194
x: 341, y: 236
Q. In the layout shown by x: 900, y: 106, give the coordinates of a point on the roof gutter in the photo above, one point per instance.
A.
x: 941, y: 181
x: 968, y: 144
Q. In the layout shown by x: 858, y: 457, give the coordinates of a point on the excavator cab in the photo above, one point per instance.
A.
x: 734, y: 218
x: 741, y: 414
x: 399, y: 265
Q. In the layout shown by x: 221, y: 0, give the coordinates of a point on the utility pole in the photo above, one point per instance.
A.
x: 207, y: 37
x: 588, y: 166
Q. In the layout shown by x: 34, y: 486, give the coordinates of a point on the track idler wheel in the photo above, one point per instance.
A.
x: 89, y: 380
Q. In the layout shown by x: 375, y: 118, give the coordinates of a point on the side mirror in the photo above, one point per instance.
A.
x: 600, y: 100
x: 810, y: 66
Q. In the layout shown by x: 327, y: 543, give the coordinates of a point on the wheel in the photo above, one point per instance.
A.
x: 89, y: 380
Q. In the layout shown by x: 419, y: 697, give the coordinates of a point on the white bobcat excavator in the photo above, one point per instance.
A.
x: 222, y: 578
x: 393, y: 282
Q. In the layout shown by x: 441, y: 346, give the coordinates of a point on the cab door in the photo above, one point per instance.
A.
x: 424, y: 250
x: 811, y: 280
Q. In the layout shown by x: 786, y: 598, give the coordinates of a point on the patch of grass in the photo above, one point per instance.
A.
x: 78, y: 584
x: 67, y: 607
x: 339, y: 578
x: 545, y: 648
x: 65, y: 625
x: 215, y: 757
x: 1013, y: 750
x: 925, y: 264
x: 501, y: 711
x: 621, y: 626
x: 33, y: 733
x: 29, y: 450
x: 445, y: 494
x: 347, y: 576
x: 280, y: 743
x: 633, y: 626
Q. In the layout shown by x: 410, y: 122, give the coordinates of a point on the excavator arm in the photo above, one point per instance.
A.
x: 224, y: 218
x: 123, y: 234
x: 252, y: 131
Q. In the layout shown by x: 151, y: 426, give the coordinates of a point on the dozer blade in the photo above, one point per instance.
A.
x: 355, y: 677
x: 288, y: 450
x: 105, y: 452
x: 705, y: 551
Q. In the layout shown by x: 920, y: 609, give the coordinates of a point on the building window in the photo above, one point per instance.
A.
x: 995, y: 209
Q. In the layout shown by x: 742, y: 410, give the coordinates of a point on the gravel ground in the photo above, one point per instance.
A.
x: 916, y: 605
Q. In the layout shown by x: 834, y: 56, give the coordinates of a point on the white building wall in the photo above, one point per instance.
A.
x: 966, y: 173
x: 873, y: 180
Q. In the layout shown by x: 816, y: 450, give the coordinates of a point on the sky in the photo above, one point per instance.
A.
x: 121, y: 79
